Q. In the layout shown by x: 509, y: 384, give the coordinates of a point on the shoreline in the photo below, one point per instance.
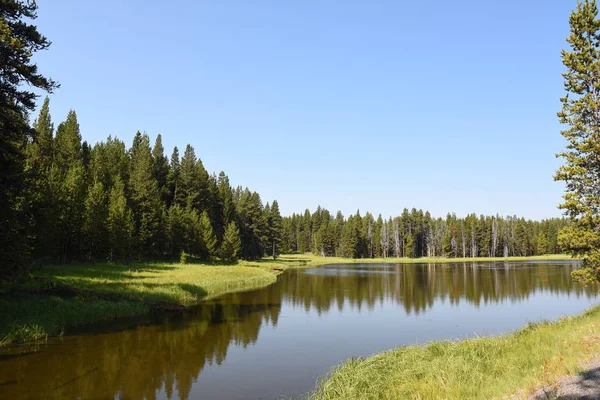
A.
x: 516, y: 365
x: 59, y: 298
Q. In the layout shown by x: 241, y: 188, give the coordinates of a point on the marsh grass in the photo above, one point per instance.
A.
x: 481, y: 368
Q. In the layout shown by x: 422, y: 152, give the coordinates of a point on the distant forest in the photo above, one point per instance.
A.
x: 110, y: 202
x: 417, y: 234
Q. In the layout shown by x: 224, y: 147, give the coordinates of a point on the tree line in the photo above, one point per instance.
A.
x: 63, y: 200
x: 417, y: 234
x: 110, y: 202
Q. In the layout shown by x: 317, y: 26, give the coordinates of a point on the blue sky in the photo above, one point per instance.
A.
x: 370, y: 105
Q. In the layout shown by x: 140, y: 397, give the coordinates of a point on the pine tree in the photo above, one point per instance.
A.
x: 176, y: 230
x: 188, y: 185
x: 67, y: 144
x: 275, y: 229
x: 71, y: 196
x: 173, y: 177
x: 41, y: 152
x: 541, y: 244
x: 252, y: 225
x: 39, y: 194
x: 120, y: 224
x: 95, y: 222
x: 581, y: 114
x: 145, y: 198
x: 161, y: 169
x: 226, y: 198
x: 231, y: 245
x: 17, y: 75
x: 68, y: 185
x: 209, y: 239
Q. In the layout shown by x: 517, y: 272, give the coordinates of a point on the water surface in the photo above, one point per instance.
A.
x: 278, y: 340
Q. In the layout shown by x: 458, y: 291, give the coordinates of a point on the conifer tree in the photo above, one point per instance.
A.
x: 120, y: 224
x: 541, y: 244
x: 17, y: 75
x: 226, y: 198
x: 145, y: 198
x: 39, y: 191
x: 176, y: 226
x: 209, y: 239
x: 161, y: 169
x: 173, y: 177
x: 41, y: 153
x: 581, y: 115
x: 231, y: 245
x: 275, y: 229
x: 188, y: 185
x: 67, y: 144
x: 69, y: 187
x: 95, y: 222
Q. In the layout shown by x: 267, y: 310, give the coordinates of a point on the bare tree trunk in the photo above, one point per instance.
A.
x: 494, y: 237
x: 397, y: 248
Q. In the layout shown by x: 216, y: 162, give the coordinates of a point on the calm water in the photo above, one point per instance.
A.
x: 278, y: 340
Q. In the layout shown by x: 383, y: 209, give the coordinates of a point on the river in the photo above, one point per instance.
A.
x: 278, y: 340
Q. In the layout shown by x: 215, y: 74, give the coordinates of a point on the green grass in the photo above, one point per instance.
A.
x: 482, y: 368
x: 180, y: 284
x: 60, y: 297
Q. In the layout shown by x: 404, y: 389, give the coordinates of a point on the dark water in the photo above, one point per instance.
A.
x: 278, y: 340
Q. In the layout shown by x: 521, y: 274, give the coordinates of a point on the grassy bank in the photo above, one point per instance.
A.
x: 63, y: 296
x: 60, y: 297
x: 482, y: 368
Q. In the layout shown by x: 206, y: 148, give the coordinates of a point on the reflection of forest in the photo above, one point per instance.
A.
x: 416, y: 287
x: 135, y: 363
x: 168, y: 357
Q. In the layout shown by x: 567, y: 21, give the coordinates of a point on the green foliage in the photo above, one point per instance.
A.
x: 19, y: 41
x: 209, y: 239
x: 232, y: 244
x: 145, y: 198
x: 120, y: 224
x: 95, y: 222
x: 581, y: 115
x: 184, y: 257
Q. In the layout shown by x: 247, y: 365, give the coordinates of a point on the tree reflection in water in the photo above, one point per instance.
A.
x: 163, y: 357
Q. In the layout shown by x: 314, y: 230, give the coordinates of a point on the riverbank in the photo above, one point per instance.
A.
x: 60, y: 297
x: 509, y: 366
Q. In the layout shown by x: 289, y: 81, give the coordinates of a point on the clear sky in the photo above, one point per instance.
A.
x: 373, y: 105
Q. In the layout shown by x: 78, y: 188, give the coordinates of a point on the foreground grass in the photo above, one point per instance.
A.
x: 482, y: 368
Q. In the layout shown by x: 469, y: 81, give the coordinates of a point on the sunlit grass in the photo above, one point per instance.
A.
x: 482, y: 368
x: 183, y: 284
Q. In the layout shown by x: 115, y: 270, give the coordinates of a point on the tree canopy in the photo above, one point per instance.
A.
x: 580, y: 114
